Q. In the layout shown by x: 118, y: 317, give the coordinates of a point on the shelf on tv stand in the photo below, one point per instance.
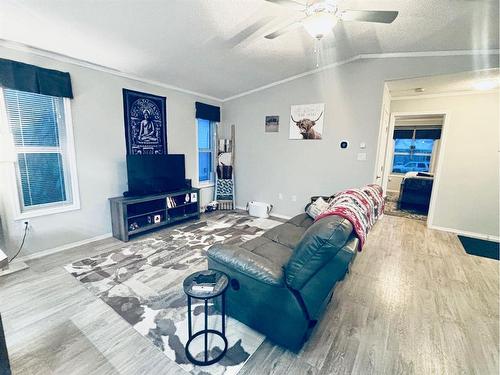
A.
x: 181, y: 205
x: 128, y: 210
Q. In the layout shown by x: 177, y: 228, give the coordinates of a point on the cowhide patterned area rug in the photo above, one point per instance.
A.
x: 142, y: 282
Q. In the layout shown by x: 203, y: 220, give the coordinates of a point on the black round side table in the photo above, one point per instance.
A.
x: 206, y: 285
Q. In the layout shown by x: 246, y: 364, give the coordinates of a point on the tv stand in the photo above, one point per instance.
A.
x: 131, y: 215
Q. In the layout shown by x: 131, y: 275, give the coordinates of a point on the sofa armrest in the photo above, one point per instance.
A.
x: 248, y: 263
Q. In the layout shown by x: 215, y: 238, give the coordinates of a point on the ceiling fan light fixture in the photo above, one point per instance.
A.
x: 320, y: 24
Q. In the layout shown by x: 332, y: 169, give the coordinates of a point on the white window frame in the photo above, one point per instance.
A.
x: 211, y: 181
x: 70, y: 168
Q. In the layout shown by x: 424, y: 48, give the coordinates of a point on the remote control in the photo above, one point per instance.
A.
x: 202, y: 288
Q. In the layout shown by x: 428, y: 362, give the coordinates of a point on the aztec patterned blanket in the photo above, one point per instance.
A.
x: 362, y: 207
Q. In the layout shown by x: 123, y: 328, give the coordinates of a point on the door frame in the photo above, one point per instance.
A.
x: 383, y: 136
x: 440, y: 155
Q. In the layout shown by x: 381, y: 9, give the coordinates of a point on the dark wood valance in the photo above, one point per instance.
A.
x: 31, y: 78
x: 207, y: 112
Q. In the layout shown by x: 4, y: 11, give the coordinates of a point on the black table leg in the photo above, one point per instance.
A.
x: 223, y: 296
x: 206, y: 330
x: 190, y: 330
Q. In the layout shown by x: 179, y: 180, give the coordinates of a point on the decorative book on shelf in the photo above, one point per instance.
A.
x: 134, y: 215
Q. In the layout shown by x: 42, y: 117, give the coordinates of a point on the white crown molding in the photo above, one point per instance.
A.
x: 297, y: 76
x: 366, y: 57
x: 87, y: 64
x: 467, y: 52
x: 445, y: 94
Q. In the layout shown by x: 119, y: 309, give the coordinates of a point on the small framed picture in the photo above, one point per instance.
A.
x: 157, y: 218
x: 194, y: 197
x: 272, y: 124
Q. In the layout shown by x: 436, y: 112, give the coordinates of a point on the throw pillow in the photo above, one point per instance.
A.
x: 317, y: 207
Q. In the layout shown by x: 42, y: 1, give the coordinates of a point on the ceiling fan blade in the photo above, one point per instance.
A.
x: 296, y: 5
x: 381, y: 16
x: 292, y: 26
x: 248, y: 32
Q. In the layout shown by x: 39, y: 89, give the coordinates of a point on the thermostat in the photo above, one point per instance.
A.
x: 344, y: 144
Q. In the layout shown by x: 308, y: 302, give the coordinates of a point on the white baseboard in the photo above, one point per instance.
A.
x: 14, y: 267
x: 44, y: 253
x: 480, y: 236
x: 271, y: 214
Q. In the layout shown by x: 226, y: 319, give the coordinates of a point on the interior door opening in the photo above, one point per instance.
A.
x: 410, y: 166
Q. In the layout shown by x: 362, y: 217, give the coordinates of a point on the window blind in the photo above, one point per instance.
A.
x: 205, y: 149
x: 37, y: 124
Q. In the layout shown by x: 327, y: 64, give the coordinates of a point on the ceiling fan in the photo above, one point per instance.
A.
x: 321, y: 16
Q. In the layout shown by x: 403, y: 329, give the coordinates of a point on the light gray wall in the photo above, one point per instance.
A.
x: 97, y: 112
x: 467, y: 192
x: 268, y: 163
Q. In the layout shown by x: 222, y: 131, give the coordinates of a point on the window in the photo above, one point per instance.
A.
x: 206, y: 150
x: 414, y: 149
x: 45, y: 167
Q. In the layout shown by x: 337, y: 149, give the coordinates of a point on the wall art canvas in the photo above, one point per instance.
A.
x: 145, y: 123
x: 306, y: 121
x: 272, y: 124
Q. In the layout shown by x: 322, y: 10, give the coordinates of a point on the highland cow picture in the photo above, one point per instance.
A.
x: 306, y: 121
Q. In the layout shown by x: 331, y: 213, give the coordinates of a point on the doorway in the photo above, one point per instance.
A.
x: 413, y: 151
x: 412, y: 156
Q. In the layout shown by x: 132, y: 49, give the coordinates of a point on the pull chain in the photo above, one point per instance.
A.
x: 317, y: 50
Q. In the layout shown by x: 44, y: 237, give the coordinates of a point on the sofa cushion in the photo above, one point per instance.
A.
x: 302, y: 220
x: 247, y: 263
x: 285, y: 234
x: 319, y: 244
x: 273, y: 251
x: 255, y: 243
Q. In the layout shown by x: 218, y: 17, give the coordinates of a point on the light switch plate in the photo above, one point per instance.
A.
x: 362, y: 145
x: 362, y: 156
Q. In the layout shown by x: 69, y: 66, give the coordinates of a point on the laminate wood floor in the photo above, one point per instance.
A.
x: 414, y: 303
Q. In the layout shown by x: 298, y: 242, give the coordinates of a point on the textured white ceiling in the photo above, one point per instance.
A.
x: 207, y: 46
x: 446, y: 83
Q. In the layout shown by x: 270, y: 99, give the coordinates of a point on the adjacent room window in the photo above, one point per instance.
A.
x: 414, y: 149
x: 206, y: 150
x: 45, y: 166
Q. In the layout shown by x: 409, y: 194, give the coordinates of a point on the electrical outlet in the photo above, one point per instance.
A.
x: 280, y: 196
x: 26, y: 224
x: 294, y: 198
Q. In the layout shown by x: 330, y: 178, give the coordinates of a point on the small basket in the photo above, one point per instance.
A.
x: 259, y: 209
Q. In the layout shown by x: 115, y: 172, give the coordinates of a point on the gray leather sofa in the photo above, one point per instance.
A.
x: 281, y: 282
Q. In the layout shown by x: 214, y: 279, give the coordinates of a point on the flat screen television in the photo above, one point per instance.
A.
x: 151, y: 174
